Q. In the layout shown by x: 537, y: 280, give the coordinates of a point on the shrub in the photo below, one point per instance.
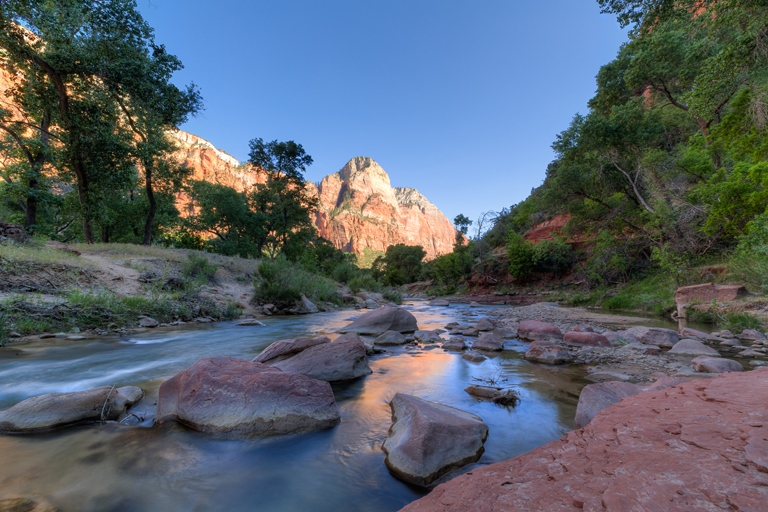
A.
x: 553, y: 256
x: 364, y: 282
x: 520, y: 253
x: 345, y: 272
x: 400, y: 265
x: 393, y: 295
x: 282, y: 283
x: 750, y: 262
x: 737, y: 322
x: 199, y: 268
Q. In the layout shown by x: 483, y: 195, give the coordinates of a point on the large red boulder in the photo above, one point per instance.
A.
x: 586, y: 339
x: 234, y: 396
x: 702, y: 445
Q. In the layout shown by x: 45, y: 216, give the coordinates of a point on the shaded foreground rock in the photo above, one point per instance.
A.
x: 53, y: 410
x: 427, y: 439
x: 381, y: 320
x: 699, y: 446
x: 319, y: 358
x: 234, y: 396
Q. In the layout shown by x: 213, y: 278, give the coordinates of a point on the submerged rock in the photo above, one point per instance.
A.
x: 473, y: 357
x: 428, y: 439
x: 699, y: 446
x: 53, y: 410
x: 496, y: 395
x: 381, y: 320
x: 234, y: 396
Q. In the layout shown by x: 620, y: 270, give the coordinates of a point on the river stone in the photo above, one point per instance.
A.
x: 590, y: 339
x: 716, y: 365
x: 233, y: 396
x: 146, y: 321
x: 473, y: 357
x: 496, y: 395
x: 390, y: 338
x: 649, y: 350
x: 284, y: 349
x: 428, y: 439
x: 343, y: 359
x: 439, y: 302
x: 546, y: 352
x: 505, y: 332
x: 751, y: 335
x: 596, y: 397
x: 687, y: 332
x: 533, y: 330
x: 427, y: 336
x: 53, y: 410
x: 250, y: 322
x: 484, y: 325
x: 582, y: 328
x: 371, y: 304
x: 488, y: 341
x: 693, y: 348
x: 664, y: 338
x: 381, y: 320
x: 470, y: 331
x: 455, y: 343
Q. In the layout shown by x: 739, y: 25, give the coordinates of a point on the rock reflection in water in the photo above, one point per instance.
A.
x: 119, y: 468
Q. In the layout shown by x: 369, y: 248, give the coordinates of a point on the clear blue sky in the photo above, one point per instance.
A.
x: 460, y: 99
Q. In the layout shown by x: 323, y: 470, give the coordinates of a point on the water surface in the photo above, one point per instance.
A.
x: 171, y: 468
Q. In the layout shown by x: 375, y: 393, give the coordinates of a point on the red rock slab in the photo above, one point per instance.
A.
x: 700, y: 446
x: 709, y: 292
x: 533, y: 330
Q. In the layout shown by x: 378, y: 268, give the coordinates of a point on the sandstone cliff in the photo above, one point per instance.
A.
x: 702, y: 445
x: 360, y: 209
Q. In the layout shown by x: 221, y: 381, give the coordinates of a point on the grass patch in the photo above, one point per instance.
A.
x: 737, y: 322
x: 654, y: 294
x: 35, y: 251
x: 198, y: 268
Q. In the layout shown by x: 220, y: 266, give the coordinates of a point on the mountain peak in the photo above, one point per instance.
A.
x: 362, y: 166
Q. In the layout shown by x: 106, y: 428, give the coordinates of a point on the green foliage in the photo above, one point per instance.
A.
x: 401, y: 264
x: 520, y: 254
x: 553, y: 256
x: 749, y: 263
x: 654, y: 293
x: 198, y: 268
x: 364, y: 282
x: 737, y: 322
x: 673, y: 263
x: 282, y: 283
x: 393, y: 295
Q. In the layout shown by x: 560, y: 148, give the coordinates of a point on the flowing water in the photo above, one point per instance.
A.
x: 114, y: 467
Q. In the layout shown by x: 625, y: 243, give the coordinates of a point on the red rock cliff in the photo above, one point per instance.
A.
x: 360, y: 209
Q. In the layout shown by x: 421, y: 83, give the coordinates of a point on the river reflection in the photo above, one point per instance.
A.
x: 118, y: 468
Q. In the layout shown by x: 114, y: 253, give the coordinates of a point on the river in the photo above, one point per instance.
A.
x: 123, y: 468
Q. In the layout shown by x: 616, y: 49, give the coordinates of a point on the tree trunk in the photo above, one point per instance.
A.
x: 105, y: 234
x: 152, y: 204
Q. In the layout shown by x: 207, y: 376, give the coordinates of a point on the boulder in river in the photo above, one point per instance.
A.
x: 488, y: 341
x: 343, y: 359
x: 225, y: 395
x: 383, y: 319
x: 455, y: 343
x: 53, y: 410
x: 428, y: 337
x: 693, y: 348
x: 716, y: 365
x: 496, y: 395
x: 390, y: 338
x: 428, y: 439
x: 664, y: 338
x: 473, y: 356
x: 547, y: 352
x: 284, y: 349
x: 484, y: 324
x: 533, y: 330
x: 699, y: 446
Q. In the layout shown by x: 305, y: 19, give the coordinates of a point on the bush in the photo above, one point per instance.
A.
x: 282, y: 283
x: 199, y: 268
x: 520, y: 253
x: 364, y: 282
x: 750, y: 262
x: 345, y: 272
x: 400, y: 265
x: 737, y: 322
x: 393, y: 295
x: 553, y: 256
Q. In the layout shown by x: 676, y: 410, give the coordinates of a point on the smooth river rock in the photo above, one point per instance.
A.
x: 284, y: 349
x: 596, y: 397
x: 664, y: 338
x: 381, y: 320
x: 588, y: 339
x: 716, y: 365
x: 225, y: 395
x: 546, y: 352
x: 428, y: 439
x: 53, y: 410
x: 533, y: 330
x: 488, y: 341
x: 390, y: 338
x: 700, y: 446
x: 693, y: 348
x: 339, y: 360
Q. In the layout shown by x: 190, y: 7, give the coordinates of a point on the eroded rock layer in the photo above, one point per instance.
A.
x: 702, y: 445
